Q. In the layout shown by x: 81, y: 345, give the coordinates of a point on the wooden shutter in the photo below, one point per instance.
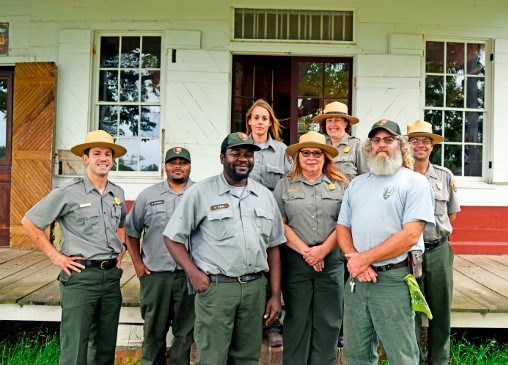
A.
x: 32, y: 142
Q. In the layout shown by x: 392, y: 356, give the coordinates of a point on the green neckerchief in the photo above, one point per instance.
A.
x: 418, y: 302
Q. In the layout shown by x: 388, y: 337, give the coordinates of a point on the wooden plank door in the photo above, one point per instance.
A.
x: 32, y: 142
x: 6, y: 77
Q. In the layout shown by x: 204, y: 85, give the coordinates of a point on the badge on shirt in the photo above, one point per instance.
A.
x: 388, y: 192
x: 439, y: 186
x: 331, y: 186
x: 118, y: 201
x: 156, y: 202
x: 295, y: 190
x: 219, y: 206
x: 347, y: 149
x: 84, y: 205
x: 452, y: 184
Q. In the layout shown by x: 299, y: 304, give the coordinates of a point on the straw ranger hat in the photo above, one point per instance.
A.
x: 99, y: 138
x: 311, y: 139
x: 421, y: 128
x: 335, y: 109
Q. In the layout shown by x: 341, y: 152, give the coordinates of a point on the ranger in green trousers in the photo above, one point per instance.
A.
x: 91, y: 213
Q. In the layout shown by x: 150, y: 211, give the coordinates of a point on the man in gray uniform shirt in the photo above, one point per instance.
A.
x: 163, y: 291
x: 437, y: 279
x: 91, y: 212
x: 234, y: 227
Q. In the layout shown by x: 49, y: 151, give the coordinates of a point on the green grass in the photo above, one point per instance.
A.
x: 40, y: 350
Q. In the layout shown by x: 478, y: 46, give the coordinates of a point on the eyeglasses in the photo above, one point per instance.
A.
x: 387, y: 140
x: 307, y: 153
x: 416, y: 141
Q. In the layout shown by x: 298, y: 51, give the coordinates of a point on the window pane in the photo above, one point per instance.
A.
x: 307, y: 109
x: 474, y: 127
x: 310, y: 80
x: 453, y: 126
x: 434, y: 117
x: 260, y: 26
x: 435, y: 157
x: 151, y: 52
x: 109, y: 51
x: 455, y: 58
x: 476, y: 59
x: 108, y: 119
x: 244, y: 79
x: 3, y: 118
x: 108, y: 86
x: 475, y: 93
x: 336, y: 80
x: 129, y: 121
x: 248, y: 25
x: 150, y: 91
x: 453, y: 158
x: 129, y: 162
x: 130, y: 52
x: 263, y: 83
x: 150, y: 121
x: 472, y: 160
x: 455, y: 91
x: 434, y: 57
x: 129, y: 86
x: 434, y: 91
x: 149, y: 155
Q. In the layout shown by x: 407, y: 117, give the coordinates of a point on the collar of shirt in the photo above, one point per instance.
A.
x: 319, y: 180
x: 225, y: 188
x: 90, y: 187
x: 270, y: 143
x: 167, y: 189
x: 431, y: 172
x: 343, y: 141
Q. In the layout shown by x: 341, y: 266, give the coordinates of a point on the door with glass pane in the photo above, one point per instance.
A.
x: 5, y: 152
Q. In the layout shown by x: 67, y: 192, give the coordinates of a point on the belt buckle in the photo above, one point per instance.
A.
x: 105, y: 262
x: 240, y: 280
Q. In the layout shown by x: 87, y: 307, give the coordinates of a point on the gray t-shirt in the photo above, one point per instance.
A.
x: 88, y: 220
x: 228, y: 235
x: 377, y: 207
x: 149, y: 216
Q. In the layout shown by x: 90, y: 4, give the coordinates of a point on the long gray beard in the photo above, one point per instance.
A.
x: 383, y: 166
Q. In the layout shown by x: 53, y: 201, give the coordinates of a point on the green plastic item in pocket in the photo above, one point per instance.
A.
x: 418, y: 302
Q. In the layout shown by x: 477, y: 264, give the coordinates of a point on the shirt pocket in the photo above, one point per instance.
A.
x: 87, y: 220
x: 264, y: 221
x: 275, y: 169
x: 441, y: 202
x: 156, y: 215
x: 332, y: 201
x: 221, y: 225
x: 294, y: 203
x: 116, y: 215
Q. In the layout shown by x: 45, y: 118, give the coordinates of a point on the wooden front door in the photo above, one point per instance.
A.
x: 6, y: 77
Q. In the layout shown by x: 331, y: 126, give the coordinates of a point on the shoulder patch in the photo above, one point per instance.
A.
x: 452, y: 185
x: 156, y: 202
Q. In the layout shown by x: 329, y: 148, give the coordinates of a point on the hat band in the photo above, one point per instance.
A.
x: 341, y: 113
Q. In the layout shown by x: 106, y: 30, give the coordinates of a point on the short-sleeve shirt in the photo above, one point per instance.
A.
x: 148, y: 217
x: 311, y: 209
x: 270, y: 163
x: 88, y: 220
x: 377, y: 207
x: 446, y: 201
x: 229, y: 231
x: 351, y: 160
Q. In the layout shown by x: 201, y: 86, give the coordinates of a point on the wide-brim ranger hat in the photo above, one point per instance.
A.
x: 335, y: 109
x: 177, y: 152
x: 389, y: 126
x: 238, y: 139
x: 311, y: 139
x: 421, y: 128
x: 99, y: 138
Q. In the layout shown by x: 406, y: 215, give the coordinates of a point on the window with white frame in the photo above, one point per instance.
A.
x: 455, y: 84
x: 128, y: 101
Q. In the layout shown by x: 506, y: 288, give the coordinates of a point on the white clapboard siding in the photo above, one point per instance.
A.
x: 500, y: 112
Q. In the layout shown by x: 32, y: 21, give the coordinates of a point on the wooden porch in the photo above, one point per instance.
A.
x: 29, y: 292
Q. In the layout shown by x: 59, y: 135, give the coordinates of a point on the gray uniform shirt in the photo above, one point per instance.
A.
x: 228, y: 235
x: 311, y: 209
x: 270, y: 163
x: 88, y: 220
x: 149, y: 216
x: 351, y: 160
x: 446, y: 201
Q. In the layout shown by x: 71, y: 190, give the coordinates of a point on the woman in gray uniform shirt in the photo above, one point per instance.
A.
x: 309, y: 199
x: 270, y: 163
x: 336, y: 123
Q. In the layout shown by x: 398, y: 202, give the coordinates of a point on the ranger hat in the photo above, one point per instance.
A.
x: 238, y: 139
x: 311, y: 139
x: 177, y: 152
x: 335, y: 109
x: 99, y: 138
x: 387, y: 125
x: 421, y: 128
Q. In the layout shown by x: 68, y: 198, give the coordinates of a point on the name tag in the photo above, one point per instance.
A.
x: 219, y: 206
x: 157, y: 202
x: 84, y: 205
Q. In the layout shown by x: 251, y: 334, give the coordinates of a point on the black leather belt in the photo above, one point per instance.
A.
x: 433, y: 244
x: 390, y: 266
x: 101, y: 264
x: 234, y: 279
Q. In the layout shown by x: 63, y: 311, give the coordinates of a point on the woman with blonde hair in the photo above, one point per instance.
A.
x: 309, y: 199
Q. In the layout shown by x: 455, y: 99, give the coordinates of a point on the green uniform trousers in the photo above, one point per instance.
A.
x: 91, y: 302
x: 436, y: 284
x: 314, y: 309
x: 228, y: 323
x: 165, y: 303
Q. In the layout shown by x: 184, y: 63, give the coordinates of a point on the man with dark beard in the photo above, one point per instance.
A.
x: 382, y: 218
x: 234, y: 227
x: 163, y: 291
